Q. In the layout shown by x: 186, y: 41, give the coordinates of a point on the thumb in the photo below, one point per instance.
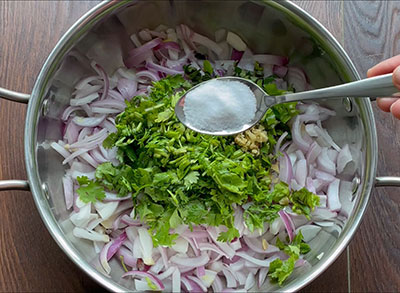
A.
x: 396, y: 77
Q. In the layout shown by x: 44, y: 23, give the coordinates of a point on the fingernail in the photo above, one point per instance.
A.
x: 396, y: 76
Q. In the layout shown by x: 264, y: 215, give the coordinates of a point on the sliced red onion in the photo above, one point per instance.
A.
x: 86, y: 100
x: 115, y: 95
x: 100, y: 110
x: 83, y: 216
x: 288, y: 224
x: 280, y: 71
x: 200, y: 271
x: 90, y: 141
x: 255, y: 244
x: 167, y: 273
x: 325, y: 163
x: 106, y: 210
x: 90, y: 235
x: 302, y: 142
x: 271, y: 59
x: 84, y: 82
x: 333, y: 196
x: 324, y: 135
x: 127, y: 257
x: 230, y: 278
x: 276, y: 226
x: 86, y: 91
x: 151, y: 65
x: 247, y: 61
x: 313, y: 152
x: 279, y: 142
x: 181, y: 245
x: 250, y: 282
x: 68, y: 191
x: 192, y: 262
x: 89, y: 121
x: 256, y: 261
x: 72, y: 132
x: 106, y: 81
x: 127, y: 88
x: 148, y: 74
x: 309, y: 232
x: 343, y: 158
x: 206, y: 42
x: 211, y: 247
x: 286, y: 170
x: 103, y: 258
x: 301, y: 172
x: 235, y: 41
x: 323, y: 214
x: 297, y: 78
x: 141, y: 274
x: 217, y: 284
x: 346, y: 197
x: 236, y: 55
x: 262, y: 275
x: 146, y: 246
x: 310, y: 185
x: 60, y: 149
x: 116, y: 245
x: 176, y: 281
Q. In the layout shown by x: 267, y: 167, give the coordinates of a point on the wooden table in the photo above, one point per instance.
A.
x: 29, y: 258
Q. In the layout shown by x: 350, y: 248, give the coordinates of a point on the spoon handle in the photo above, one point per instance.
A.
x: 380, y: 86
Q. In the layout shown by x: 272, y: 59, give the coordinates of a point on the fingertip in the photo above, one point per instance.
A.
x: 386, y: 103
x: 396, y: 77
x: 395, y: 109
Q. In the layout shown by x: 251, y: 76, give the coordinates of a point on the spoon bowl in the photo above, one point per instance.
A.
x: 380, y: 86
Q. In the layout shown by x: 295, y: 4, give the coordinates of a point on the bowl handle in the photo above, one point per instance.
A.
x: 387, y: 181
x: 21, y: 98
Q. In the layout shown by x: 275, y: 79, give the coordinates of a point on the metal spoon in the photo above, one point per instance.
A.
x: 380, y: 86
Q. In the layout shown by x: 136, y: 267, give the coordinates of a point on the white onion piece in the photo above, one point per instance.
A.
x: 256, y: 261
x: 313, y: 152
x: 308, y: 231
x: 198, y: 282
x: 323, y: 214
x: 68, y: 186
x: 208, y: 278
x: 333, y: 196
x: 83, y: 217
x: 325, y: 163
x: 167, y: 273
x: 301, y: 140
x: 235, y: 41
x: 206, y: 42
x: 181, y: 245
x: 250, y: 282
x: 276, y: 226
x: 262, y: 275
x: 346, y: 198
x: 247, y: 61
x: 146, y: 246
x: 88, y: 122
x: 256, y: 245
x: 192, y: 262
x: 106, y: 210
x: 84, y: 100
x: 217, y: 284
x: 301, y: 172
x: 343, y: 158
x: 90, y: 235
x: 176, y: 281
x: 60, y: 149
x: 230, y: 278
x: 154, y: 279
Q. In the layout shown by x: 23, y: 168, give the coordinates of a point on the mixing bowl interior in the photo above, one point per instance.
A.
x: 267, y: 27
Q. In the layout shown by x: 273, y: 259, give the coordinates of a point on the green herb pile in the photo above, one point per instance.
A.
x: 179, y: 176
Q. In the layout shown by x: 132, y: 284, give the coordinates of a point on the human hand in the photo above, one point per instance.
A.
x: 387, y: 66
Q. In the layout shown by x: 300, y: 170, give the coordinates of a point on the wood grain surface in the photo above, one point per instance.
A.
x: 29, y: 258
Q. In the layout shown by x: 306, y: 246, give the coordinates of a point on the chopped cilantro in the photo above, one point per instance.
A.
x: 89, y: 191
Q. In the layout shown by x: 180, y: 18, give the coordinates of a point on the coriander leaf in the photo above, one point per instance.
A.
x: 191, y: 179
x: 89, y: 191
x: 304, y: 202
x: 207, y: 68
x: 229, y: 235
x: 280, y: 270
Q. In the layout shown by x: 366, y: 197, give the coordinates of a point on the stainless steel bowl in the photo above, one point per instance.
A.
x: 274, y: 27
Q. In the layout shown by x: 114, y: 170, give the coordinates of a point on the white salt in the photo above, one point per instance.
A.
x: 220, y: 105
